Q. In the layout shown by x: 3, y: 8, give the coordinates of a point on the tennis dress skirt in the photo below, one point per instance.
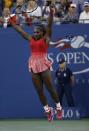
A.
x: 38, y: 62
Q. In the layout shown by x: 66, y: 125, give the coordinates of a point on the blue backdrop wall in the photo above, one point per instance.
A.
x: 18, y: 98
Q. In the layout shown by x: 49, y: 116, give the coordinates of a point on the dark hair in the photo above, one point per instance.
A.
x: 48, y: 3
x: 41, y: 27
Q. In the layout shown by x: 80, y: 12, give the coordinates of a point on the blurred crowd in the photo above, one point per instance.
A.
x: 66, y: 11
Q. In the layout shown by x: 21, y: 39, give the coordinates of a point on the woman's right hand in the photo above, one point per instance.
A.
x: 12, y: 19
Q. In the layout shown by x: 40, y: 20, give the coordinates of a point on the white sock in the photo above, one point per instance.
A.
x: 58, y: 106
x: 46, y: 108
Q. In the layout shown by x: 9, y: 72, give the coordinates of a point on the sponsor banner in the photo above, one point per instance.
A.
x: 71, y: 113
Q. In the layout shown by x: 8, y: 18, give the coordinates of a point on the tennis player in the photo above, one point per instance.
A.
x: 39, y: 65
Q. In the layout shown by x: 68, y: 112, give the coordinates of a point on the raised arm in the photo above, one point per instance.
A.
x: 19, y: 29
x: 49, y: 26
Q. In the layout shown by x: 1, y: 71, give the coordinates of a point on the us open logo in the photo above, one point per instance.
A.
x: 76, y: 54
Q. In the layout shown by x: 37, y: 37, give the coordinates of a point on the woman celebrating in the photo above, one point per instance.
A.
x: 39, y: 65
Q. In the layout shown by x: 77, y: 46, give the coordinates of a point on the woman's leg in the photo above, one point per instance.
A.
x: 38, y: 84
x: 46, y: 76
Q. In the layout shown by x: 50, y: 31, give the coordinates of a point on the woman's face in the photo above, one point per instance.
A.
x: 38, y: 33
x: 6, y: 12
